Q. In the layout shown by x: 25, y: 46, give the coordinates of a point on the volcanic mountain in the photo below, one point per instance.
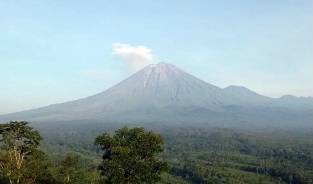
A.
x: 162, y: 93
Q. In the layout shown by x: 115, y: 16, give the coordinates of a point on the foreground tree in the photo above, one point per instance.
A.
x: 130, y: 156
x: 19, y: 146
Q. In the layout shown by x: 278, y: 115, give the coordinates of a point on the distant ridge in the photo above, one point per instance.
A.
x: 163, y: 93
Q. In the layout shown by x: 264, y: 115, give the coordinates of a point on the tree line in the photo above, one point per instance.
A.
x: 130, y: 155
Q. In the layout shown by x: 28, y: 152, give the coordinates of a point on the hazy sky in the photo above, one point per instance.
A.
x: 55, y: 50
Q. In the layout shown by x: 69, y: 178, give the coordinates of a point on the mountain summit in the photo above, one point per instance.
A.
x: 165, y: 94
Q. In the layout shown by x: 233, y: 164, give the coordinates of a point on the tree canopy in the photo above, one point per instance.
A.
x: 131, y: 156
x: 19, y: 143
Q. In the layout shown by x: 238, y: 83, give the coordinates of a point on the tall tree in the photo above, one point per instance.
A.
x: 131, y: 156
x: 19, y: 142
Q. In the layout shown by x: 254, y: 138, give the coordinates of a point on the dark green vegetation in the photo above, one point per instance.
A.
x: 130, y: 156
x: 20, y: 157
x: 228, y: 156
x: 194, y: 154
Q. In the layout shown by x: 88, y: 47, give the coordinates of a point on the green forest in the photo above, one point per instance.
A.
x: 95, y: 154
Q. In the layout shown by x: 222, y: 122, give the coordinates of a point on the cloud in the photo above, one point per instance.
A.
x: 135, y: 57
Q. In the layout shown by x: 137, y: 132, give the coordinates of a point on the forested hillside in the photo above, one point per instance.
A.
x: 193, y: 154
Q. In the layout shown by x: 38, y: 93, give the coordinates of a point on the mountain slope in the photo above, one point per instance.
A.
x: 164, y: 93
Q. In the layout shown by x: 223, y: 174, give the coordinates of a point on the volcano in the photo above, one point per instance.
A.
x: 163, y: 93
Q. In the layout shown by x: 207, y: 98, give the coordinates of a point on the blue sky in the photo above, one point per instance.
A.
x: 54, y: 50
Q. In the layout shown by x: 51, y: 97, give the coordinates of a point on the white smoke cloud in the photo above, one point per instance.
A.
x: 135, y: 57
